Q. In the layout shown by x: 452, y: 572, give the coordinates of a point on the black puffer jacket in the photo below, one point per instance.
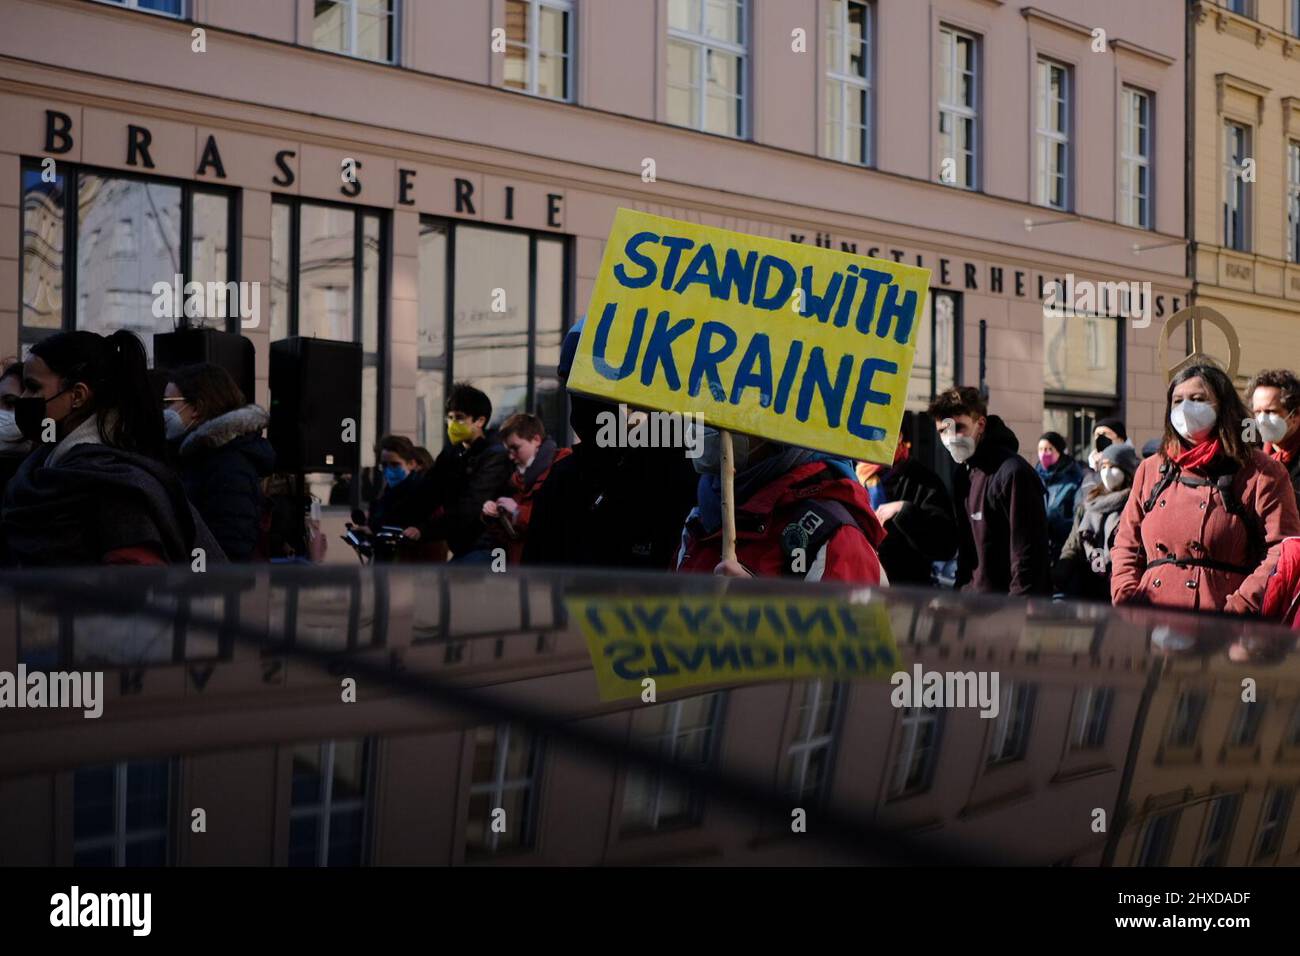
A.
x: 1001, y: 518
x: 222, y: 462
x: 923, y: 531
x: 460, y: 481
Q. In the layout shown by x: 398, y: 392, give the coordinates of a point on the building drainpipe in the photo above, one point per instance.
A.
x: 1189, y: 154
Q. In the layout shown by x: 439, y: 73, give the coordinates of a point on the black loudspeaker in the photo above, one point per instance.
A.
x: 230, y: 350
x: 315, y: 387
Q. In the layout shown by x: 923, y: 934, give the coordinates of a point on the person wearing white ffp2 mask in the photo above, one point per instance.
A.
x: 1275, y: 403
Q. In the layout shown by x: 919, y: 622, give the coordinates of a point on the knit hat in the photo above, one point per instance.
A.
x: 1114, y: 424
x: 1122, y: 455
x: 1152, y: 446
x: 1055, y: 439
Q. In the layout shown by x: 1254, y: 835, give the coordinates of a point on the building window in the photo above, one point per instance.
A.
x: 1011, y: 726
x: 1186, y: 724
x: 1295, y: 18
x: 366, y: 29
x: 507, y: 765
x: 808, y: 758
x: 167, y: 8
x: 1052, y: 135
x: 918, y: 751
x: 1293, y: 200
x: 1244, y: 7
x: 1277, y: 810
x: 124, y: 234
x: 1091, y: 715
x: 1218, y: 830
x: 1245, y: 724
x: 682, y: 731
x: 958, y: 108
x: 1135, y: 158
x: 1236, y: 191
x: 326, y: 281
x: 849, y: 36
x: 706, y: 65
x: 508, y: 345
x: 327, y: 813
x: 1158, y: 839
x: 539, y: 44
x: 120, y: 814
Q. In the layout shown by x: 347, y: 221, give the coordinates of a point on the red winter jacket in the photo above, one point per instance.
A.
x: 1282, y: 597
x: 848, y: 555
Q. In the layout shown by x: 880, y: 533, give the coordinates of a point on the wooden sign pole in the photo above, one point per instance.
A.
x: 728, y: 498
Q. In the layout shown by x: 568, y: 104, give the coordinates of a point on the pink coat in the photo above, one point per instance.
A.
x: 1191, y: 522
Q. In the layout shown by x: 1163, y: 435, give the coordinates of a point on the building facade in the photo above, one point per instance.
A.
x: 435, y: 180
x: 1244, y: 163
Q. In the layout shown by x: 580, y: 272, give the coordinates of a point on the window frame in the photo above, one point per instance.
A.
x: 501, y: 784
x: 1212, y: 849
x: 1238, y: 195
x: 847, y: 81
x: 1137, y: 161
x: 533, y: 48
x: 122, y: 836
x: 1293, y: 197
x: 1268, y: 825
x: 395, y: 19
x: 911, y: 720
x: 702, y: 43
x: 325, y: 807
x: 805, y: 742
x: 1051, y: 136
x: 655, y: 780
x: 184, y: 13
x: 1018, y: 703
x: 961, y: 110
x: 1091, y: 723
x: 72, y: 173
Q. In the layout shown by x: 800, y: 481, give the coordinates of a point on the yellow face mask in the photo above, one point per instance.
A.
x: 459, y: 432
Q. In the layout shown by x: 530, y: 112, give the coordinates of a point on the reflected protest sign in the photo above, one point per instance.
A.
x: 794, y: 343
x: 688, y: 641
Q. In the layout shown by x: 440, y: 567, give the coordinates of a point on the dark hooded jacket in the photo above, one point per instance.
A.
x: 923, y: 531
x: 97, y: 500
x: 460, y: 481
x: 222, y: 462
x: 1001, y: 518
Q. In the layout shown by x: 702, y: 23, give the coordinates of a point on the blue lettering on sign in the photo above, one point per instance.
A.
x: 632, y: 251
x: 707, y: 359
x: 659, y: 350
x: 703, y: 269
x: 602, y: 341
x: 816, y: 376
x: 758, y: 352
x: 782, y: 294
x: 676, y: 246
x: 866, y: 395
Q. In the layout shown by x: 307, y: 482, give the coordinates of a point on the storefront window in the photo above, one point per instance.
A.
x: 326, y: 276
x: 505, y: 325
x: 124, y: 234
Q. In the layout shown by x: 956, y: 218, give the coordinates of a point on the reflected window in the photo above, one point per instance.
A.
x: 1218, y: 830
x: 327, y: 814
x: 1158, y: 839
x: 1246, y: 720
x: 326, y: 281
x: 707, y: 65
x: 124, y: 234
x: 807, y: 770
x: 1186, y: 723
x: 1277, y: 810
x: 1091, y: 715
x: 366, y: 29
x: 506, y: 768
x: 167, y: 8
x: 120, y: 814
x: 682, y: 731
x: 539, y: 45
x: 499, y: 297
x: 918, y: 751
x: 849, y: 37
x: 1012, y: 724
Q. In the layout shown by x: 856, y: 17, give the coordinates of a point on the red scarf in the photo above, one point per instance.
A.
x: 1286, y: 452
x: 869, y: 471
x: 1196, y: 457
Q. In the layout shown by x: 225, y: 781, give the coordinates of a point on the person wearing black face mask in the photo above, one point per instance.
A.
x: 96, y: 490
x: 1106, y: 432
x: 607, y: 506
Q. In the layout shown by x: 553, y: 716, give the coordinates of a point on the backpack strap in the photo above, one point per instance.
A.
x: 803, y: 538
x: 1225, y: 485
x: 1169, y: 473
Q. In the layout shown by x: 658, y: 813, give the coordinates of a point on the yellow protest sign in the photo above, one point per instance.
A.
x: 795, y: 343
x: 688, y: 640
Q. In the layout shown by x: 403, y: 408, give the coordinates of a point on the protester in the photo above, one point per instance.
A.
x: 912, y: 504
x: 1151, y: 446
x: 606, y: 506
x: 401, y: 501
x: 1061, y: 476
x: 1275, y: 401
x: 423, y: 461
x: 99, y: 493
x: 1001, y: 518
x: 13, y: 446
x: 220, y: 453
x: 1282, y: 595
x: 532, y: 455
x: 1204, y: 526
x: 1083, y: 569
x: 471, y: 468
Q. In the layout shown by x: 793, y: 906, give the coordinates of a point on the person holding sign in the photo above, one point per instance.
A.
x: 798, y: 512
x: 1001, y: 516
